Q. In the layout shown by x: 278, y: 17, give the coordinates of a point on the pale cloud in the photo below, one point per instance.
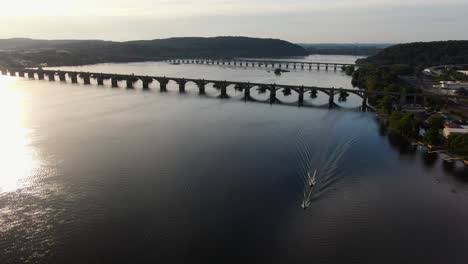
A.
x: 165, y: 8
x: 294, y: 20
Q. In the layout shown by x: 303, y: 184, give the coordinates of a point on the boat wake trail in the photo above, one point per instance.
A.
x: 321, y: 163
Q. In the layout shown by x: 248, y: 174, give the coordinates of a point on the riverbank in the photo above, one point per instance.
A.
x: 384, y: 121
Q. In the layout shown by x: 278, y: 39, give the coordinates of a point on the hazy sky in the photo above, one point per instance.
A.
x: 314, y: 21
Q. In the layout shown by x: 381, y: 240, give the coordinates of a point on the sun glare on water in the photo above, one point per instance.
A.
x: 17, y: 158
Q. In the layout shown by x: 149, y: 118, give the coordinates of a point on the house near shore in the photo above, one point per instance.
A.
x: 450, y: 85
x: 453, y: 128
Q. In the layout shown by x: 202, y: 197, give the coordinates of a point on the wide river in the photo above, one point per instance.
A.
x: 99, y: 175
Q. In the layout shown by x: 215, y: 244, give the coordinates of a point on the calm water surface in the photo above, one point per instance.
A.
x: 98, y: 175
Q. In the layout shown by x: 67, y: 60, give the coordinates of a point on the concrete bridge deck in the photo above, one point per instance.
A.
x: 266, y: 63
x: 222, y: 85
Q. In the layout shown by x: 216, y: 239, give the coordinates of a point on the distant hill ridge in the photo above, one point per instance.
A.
x: 344, y: 49
x: 76, y: 52
x: 422, y: 54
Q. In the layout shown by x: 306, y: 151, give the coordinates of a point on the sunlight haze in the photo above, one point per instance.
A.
x: 296, y: 21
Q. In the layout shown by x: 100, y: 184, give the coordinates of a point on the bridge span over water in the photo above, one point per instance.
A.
x: 222, y: 86
x: 273, y: 64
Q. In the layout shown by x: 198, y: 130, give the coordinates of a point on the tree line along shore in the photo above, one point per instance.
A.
x: 389, y: 71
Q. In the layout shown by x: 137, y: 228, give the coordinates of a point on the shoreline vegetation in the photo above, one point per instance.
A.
x: 386, y: 72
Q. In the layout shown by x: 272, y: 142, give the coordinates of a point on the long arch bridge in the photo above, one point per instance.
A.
x: 223, y: 86
x: 274, y: 64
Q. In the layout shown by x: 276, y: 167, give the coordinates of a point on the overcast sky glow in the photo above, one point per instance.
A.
x: 314, y: 21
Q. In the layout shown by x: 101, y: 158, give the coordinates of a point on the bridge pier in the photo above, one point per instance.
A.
x: 287, y: 66
x: 4, y: 71
x: 302, y: 67
x: 326, y: 67
x: 62, y: 76
x: 31, y: 75
x: 146, y: 83
x: 201, y: 87
x: 223, y: 88
x: 272, y: 94
x: 21, y: 73
x: 51, y: 76
x: 73, y: 77
x: 301, y: 96
x: 247, y: 93
x: 331, y: 100
x: 182, y: 85
x: 294, y: 65
x: 335, y: 67
x: 163, y: 85
x: 130, y: 83
x: 100, y: 80
x: 114, y: 82
x: 310, y: 67
x: 87, y: 79
x: 13, y: 73
x: 364, y: 102
x: 40, y: 75
x: 318, y: 67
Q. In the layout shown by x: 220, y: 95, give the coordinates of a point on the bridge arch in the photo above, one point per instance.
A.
x: 289, y: 95
x: 235, y: 90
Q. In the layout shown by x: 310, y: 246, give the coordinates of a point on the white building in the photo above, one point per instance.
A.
x: 451, y: 128
x: 448, y: 131
x: 449, y: 85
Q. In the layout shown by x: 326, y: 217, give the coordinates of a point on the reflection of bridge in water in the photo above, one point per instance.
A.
x: 222, y: 86
x: 273, y: 64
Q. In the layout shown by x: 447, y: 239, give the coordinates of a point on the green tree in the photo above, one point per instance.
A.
x: 404, y: 125
x: 433, y: 137
x: 410, y: 126
x: 436, y: 122
x: 372, y: 83
x: 349, y: 70
x: 386, y: 105
x: 458, y: 144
